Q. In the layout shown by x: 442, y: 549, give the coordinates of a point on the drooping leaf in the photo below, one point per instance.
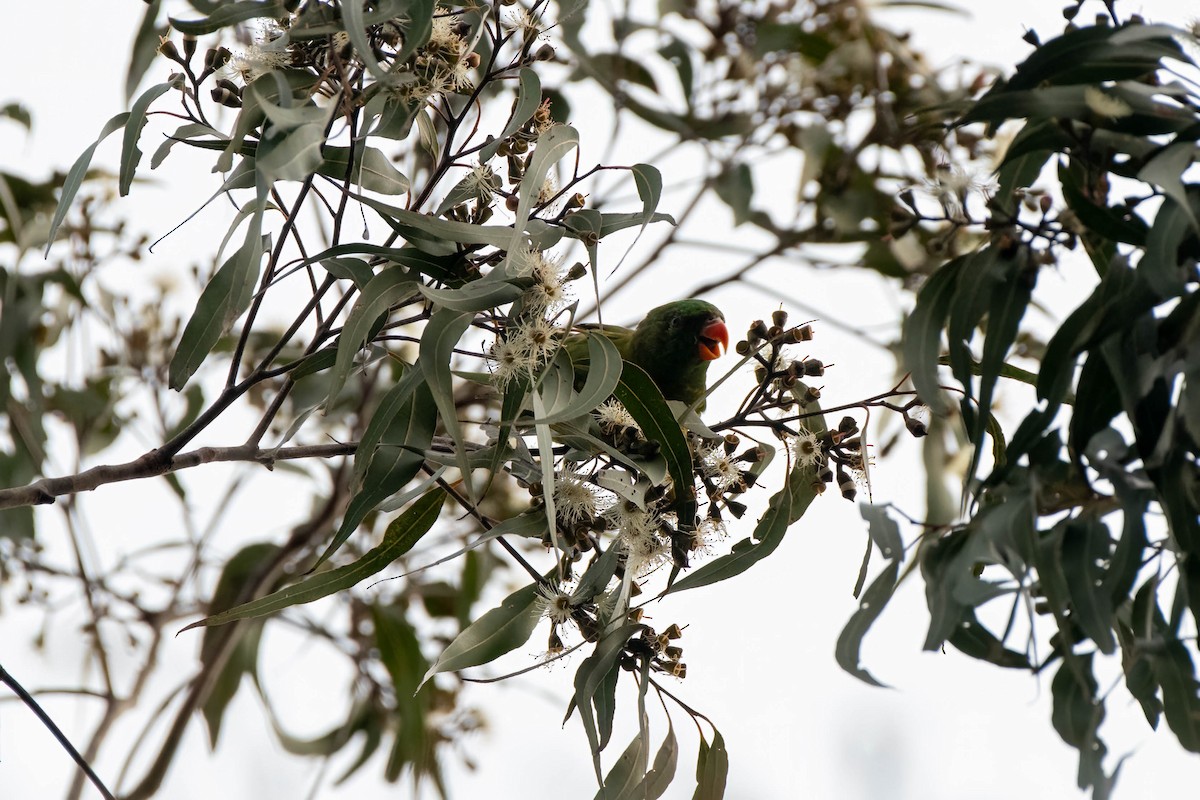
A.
x: 499, y: 631
x: 871, y: 605
x: 77, y: 173
x: 401, y: 534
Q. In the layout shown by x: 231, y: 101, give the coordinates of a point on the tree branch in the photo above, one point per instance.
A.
x: 152, y: 464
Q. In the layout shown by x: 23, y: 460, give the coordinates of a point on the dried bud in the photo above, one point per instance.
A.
x: 576, y: 201
x: 774, y: 332
x: 674, y: 632
x: 742, y: 348
x: 577, y: 271
x: 679, y: 670
x: 672, y: 652
x: 226, y: 98
x: 811, y: 394
x: 813, y: 367
x: 168, y: 50
x: 544, y: 53
x: 472, y: 60
x: 916, y: 427
x: 511, y: 202
x: 848, y: 425
x: 779, y: 317
x: 731, y: 443
x: 757, y: 332
x: 189, y: 46
x: 216, y: 58
x: 736, y: 508
x: 225, y: 83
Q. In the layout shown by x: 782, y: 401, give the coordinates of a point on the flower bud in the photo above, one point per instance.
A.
x: 916, y: 427
x: 189, y: 46
x: 779, y: 317
x: 226, y: 98
x: 168, y: 50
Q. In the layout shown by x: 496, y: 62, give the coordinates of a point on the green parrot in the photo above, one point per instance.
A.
x: 673, y: 344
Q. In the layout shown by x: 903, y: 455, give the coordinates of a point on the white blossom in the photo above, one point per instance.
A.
x: 1105, y: 105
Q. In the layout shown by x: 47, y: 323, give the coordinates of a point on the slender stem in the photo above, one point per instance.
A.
x: 32, y: 704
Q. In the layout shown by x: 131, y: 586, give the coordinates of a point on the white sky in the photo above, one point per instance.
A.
x: 759, y: 648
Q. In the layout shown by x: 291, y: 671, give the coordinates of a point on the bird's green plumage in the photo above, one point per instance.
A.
x: 666, y: 344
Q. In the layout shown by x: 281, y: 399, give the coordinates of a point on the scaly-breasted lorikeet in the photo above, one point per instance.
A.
x: 673, y: 344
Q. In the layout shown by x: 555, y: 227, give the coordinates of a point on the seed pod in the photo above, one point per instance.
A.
x: 916, y: 427
x: 168, y: 50
x: 779, y: 317
x: 813, y: 367
x: 226, y: 98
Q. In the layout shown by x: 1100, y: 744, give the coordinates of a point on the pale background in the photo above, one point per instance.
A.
x: 759, y: 649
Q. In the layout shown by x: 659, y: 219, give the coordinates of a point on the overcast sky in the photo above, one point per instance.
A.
x: 759, y: 648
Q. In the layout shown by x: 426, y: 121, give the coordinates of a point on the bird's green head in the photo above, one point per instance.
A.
x: 691, y: 331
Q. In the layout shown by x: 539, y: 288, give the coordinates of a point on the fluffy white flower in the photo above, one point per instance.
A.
x: 612, y: 417
x: 805, y: 449
x: 553, y: 604
x: 574, y: 500
x: 1105, y: 105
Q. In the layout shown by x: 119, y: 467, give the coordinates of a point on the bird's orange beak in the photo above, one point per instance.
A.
x: 714, y: 339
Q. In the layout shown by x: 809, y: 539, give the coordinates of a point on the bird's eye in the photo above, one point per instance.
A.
x: 674, y: 322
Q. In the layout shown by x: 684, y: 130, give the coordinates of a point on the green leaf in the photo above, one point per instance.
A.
x: 20, y: 114
x: 478, y: 295
x: 884, y: 531
x: 387, y: 288
x: 1086, y: 544
x: 499, y: 631
x: 438, y: 341
x: 434, y: 235
x: 604, y: 370
x: 223, y: 300
x: 592, y: 675
x: 976, y: 641
x: 662, y: 772
x: 76, y: 175
x: 922, y: 332
x: 404, y: 433
x: 402, y: 533
x: 291, y: 156
x: 1174, y: 670
x: 1077, y: 715
x: 243, y: 570
x: 735, y: 186
x: 228, y: 14
x: 130, y: 153
x: 552, y: 146
x: 145, y: 48
x: 529, y: 97
x: 712, y: 768
x: 871, y: 604
x: 625, y: 776
x: 645, y: 403
x: 748, y: 552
